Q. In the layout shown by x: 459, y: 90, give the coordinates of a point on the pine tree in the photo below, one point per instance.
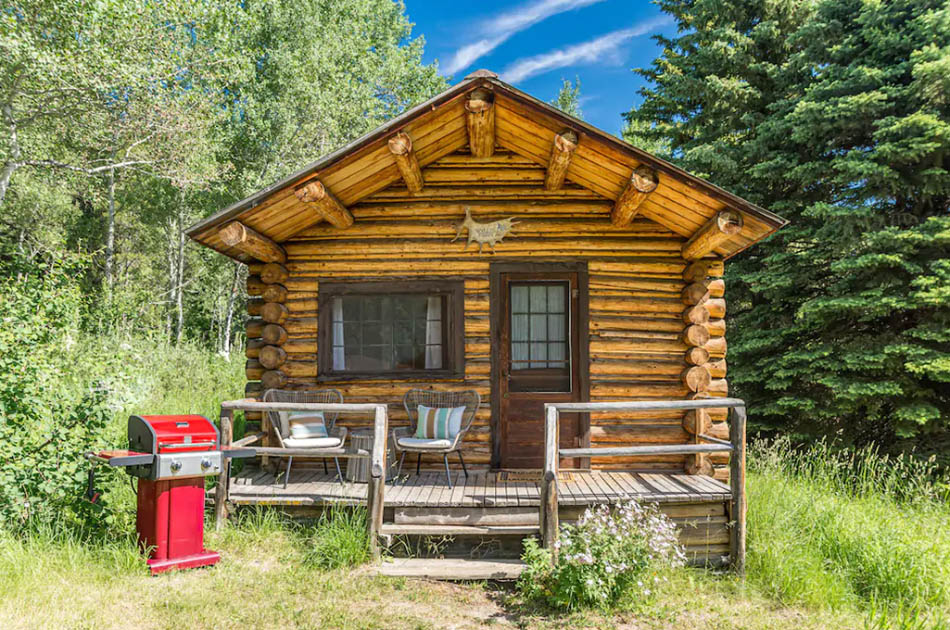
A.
x: 568, y: 98
x: 835, y: 114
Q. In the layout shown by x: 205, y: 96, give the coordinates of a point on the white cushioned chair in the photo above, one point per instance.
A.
x: 298, y: 433
x: 406, y: 440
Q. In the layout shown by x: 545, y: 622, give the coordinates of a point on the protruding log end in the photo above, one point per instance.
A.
x: 273, y: 379
x: 696, y: 315
x: 480, y: 120
x: 716, y: 231
x: 273, y: 335
x: 255, y: 285
x: 274, y: 313
x: 272, y: 273
x: 700, y: 270
x: 242, y: 238
x: 697, y: 355
x: 561, y: 152
x: 400, y: 145
x: 274, y: 293
x: 327, y: 206
x: 272, y: 357
x: 695, y: 293
x: 696, y: 378
x: 696, y: 421
x: 695, y: 335
x: 643, y: 181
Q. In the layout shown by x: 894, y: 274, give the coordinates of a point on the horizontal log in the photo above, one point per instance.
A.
x: 273, y: 379
x: 695, y: 335
x: 659, y: 449
x: 480, y: 122
x: 272, y: 357
x: 696, y: 421
x: 697, y: 355
x: 273, y: 273
x: 324, y: 203
x: 716, y: 347
x: 255, y: 306
x: 400, y: 145
x: 253, y: 370
x: 719, y: 229
x: 719, y: 386
x: 716, y: 327
x: 717, y: 369
x: 253, y: 347
x: 699, y: 465
x: 273, y: 334
x: 699, y: 270
x: 254, y: 327
x: 274, y: 313
x: 255, y: 286
x: 716, y: 307
x: 697, y: 314
x: 242, y: 238
x: 717, y: 287
x: 696, y: 378
x: 274, y: 293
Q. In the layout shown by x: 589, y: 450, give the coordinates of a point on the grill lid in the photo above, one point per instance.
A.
x: 172, y: 434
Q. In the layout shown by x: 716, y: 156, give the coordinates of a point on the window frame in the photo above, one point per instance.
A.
x: 453, y: 322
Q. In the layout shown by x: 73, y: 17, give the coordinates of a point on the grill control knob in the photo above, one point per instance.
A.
x: 175, y: 466
x: 205, y: 463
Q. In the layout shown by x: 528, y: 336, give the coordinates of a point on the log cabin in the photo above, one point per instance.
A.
x: 487, y: 241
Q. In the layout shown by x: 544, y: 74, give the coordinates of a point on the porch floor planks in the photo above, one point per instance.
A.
x: 478, y: 490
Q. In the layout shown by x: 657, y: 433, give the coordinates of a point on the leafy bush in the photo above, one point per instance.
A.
x: 609, y: 558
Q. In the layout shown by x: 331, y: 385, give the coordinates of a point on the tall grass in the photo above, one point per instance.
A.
x: 834, y: 528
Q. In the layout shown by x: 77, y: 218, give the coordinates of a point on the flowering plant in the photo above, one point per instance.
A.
x: 610, y: 555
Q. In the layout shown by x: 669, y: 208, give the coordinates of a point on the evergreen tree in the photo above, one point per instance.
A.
x: 835, y: 114
x: 568, y: 98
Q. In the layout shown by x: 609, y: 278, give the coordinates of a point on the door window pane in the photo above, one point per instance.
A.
x: 539, y: 326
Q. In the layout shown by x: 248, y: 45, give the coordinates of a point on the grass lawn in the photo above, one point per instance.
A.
x: 268, y: 578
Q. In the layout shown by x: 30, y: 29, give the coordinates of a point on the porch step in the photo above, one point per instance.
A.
x: 451, y: 569
x: 397, y: 529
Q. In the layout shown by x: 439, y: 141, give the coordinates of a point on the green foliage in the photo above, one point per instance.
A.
x: 43, y: 431
x: 853, y: 529
x: 842, y: 318
x: 612, y: 557
x: 339, y: 538
x: 568, y: 98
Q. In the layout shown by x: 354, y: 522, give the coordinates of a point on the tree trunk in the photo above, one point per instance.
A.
x: 110, y: 230
x: 232, y: 299
x: 11, y: 165
x: 180, y: 272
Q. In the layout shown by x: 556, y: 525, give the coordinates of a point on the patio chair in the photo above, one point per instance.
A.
x: 405, y: 439
x: 280, y: 422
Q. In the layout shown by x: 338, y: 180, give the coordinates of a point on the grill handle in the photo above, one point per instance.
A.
x: 177, y: 445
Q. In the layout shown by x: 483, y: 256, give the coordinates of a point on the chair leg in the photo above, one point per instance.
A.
x: 448, y: 477
x: 326, y: 471
x: 290, y: 460
x: 464, y: 469
x: 418, y: 463
x: 402, y: 458
x: 339, y: 473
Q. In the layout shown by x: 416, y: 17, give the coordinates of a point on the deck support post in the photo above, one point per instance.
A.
x: 221, y: 491
x: 376, y: 487
x: 737, y: 508
x: 549, y: 507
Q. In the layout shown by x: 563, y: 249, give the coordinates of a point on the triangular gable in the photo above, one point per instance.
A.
x: 525, y: 129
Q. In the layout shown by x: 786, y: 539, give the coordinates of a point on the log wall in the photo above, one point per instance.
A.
x: 642, y: 342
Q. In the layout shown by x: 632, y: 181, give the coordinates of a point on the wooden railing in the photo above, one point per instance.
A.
x: 377, y: 481
x: 735, y: 446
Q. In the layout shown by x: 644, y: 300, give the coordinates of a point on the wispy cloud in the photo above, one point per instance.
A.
x: 599, y: 49
x: 498, y: 29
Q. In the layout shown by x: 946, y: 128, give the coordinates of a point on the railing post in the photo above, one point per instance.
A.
x: 375, y: 490
x: 737, y: 435
x: 221, y: 491
x: 549, y: 510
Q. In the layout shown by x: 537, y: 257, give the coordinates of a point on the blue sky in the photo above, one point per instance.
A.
x: 534, y: 44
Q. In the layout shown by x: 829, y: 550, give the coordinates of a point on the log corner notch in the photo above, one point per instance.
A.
x: 562, y: 149
x: 643, y: 181
x: 328, y: 207
x: 400, y: 145
x: 247, y: 241
x: 716, y: 231
x: 480, y: 120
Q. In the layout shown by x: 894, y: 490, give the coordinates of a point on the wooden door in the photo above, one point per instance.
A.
x: 538, y: 358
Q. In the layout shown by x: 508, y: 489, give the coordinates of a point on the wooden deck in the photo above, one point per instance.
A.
x: 480, y: 490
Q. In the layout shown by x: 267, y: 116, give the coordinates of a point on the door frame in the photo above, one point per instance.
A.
x: 495, y: 312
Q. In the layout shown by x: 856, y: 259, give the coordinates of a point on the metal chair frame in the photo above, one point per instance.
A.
x: 470, y: 399
x: 305, y: 396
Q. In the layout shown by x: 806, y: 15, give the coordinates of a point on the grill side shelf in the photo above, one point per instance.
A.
x: 121, y: 458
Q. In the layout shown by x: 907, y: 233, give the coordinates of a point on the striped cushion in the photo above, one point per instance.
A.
x: 439, y: 423
x: 307, y: 424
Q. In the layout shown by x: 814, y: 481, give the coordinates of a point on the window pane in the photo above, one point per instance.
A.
x: 538, y: 298
x: 556, y: 329
x: 519, y: 327
x: 381, y: 333
x: 519, y: 299
x: 539, y: 328
x: 556, y: 298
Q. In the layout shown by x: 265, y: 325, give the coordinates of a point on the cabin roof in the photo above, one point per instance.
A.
x: 524, y: 125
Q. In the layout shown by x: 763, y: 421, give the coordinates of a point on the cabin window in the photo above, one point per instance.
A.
x: 374, y: 329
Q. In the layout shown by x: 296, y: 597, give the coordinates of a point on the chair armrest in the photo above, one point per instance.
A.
x: 399, y: 432
x: 338, y: 432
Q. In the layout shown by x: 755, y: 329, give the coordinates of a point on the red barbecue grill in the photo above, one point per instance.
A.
x: 171, y: 456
